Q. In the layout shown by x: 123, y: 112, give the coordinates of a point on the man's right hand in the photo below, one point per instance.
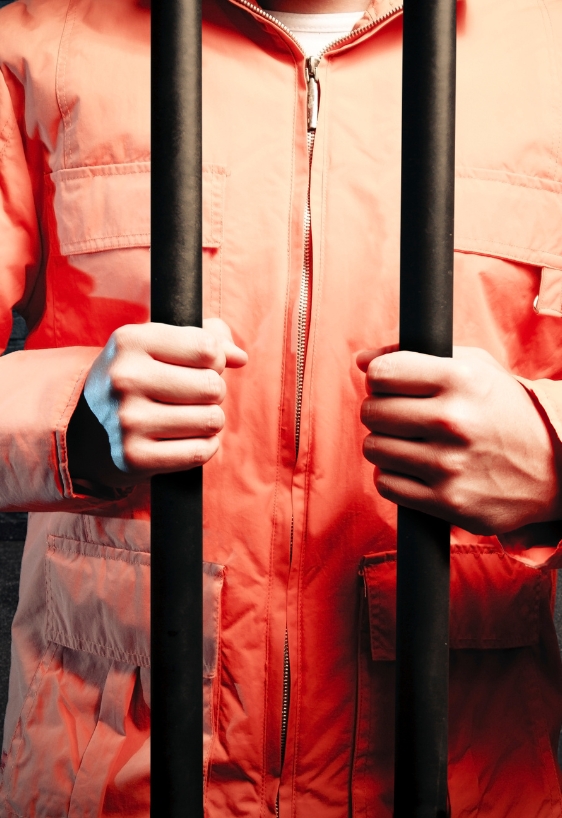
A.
x: 156, y: 390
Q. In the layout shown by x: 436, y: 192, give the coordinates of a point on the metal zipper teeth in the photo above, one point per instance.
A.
x: 351, y: 36
x: 303, y: 299
x: 285, y: 705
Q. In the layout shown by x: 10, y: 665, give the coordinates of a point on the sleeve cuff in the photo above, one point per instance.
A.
x: 45, y: 386
x: 538, y: 545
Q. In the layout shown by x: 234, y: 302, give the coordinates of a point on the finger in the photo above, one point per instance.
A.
x: 365, y: 357
x: 405, y: 457
x: 408, y: 492
x: 409, y: 373
x: 181, y: 346
x: 235, y: 357
x: 411, y: 493
x: 160, y: 421
x: 404, y: 417
x: 147, y: 457
x: 168, y: 384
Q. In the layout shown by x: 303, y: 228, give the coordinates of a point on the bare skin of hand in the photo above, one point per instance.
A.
x: 157, y: 391
x: 459, y: 438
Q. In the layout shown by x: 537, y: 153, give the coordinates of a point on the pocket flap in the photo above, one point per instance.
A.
x: 510, y: 215
x: 98, y: 599
x: 494, y: 600
x: 104, y: 207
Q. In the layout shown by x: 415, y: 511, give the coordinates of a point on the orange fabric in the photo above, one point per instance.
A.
x: 74, y: 198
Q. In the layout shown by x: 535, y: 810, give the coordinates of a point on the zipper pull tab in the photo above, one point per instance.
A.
x: 313, y: 96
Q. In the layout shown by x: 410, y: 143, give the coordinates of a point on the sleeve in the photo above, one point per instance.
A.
x: 540, y: 545
x: 39, y: 389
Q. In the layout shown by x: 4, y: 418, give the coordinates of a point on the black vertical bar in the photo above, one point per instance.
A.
x: 176, y: 604
x: 426, y: 322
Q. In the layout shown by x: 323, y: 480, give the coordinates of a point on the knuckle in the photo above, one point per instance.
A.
x: 456, y: 419
x: 127, y: 421
x: 370, y: 447
x: 202, y: 452
x: 462, y: 372
x: 207, y: 346
x: 215, y: 420
x: 381, y: 368
x: 132, y: 453
x: 213, y: 386
x: 458, y: 501
x: 452, y: 461
x: 132, y: 416
x: 120, y: 378
x: 382, y: 485
x: 368, y: 411
x: 123, y: 337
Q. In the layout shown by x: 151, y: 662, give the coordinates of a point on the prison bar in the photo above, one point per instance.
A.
x: 176, y: 297
x: 426, y: 325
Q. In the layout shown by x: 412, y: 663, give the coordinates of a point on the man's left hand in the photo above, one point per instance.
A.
x: 459, y: 438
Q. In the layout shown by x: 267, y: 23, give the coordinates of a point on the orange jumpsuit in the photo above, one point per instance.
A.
x: 296, y: 544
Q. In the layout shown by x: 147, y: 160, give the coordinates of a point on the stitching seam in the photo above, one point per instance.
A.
x: 530, y: 182
x: 54, y: 547
x: 60, y: 440
x: 60, y: 80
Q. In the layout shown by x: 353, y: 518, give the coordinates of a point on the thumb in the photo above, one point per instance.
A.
x: 365, y: 357
x: 235, y: 357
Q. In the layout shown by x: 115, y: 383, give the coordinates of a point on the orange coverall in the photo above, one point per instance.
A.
x: 298, y: 544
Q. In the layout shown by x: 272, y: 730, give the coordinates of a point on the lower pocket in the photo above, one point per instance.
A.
x: 81, y: 745
x: 500, y: 756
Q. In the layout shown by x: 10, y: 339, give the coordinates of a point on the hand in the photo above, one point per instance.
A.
x: 459, y: 438
x: 156, y: 390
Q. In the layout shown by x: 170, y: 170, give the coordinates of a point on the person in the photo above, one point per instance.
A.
x: 300, y: 244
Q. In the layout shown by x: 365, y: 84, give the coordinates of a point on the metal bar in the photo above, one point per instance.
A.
x: 176, y: 597
x: 426, y: 322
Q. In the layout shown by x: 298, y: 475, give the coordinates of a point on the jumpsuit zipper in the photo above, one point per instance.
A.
x: 313, y: 104
x: 313, y: 98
